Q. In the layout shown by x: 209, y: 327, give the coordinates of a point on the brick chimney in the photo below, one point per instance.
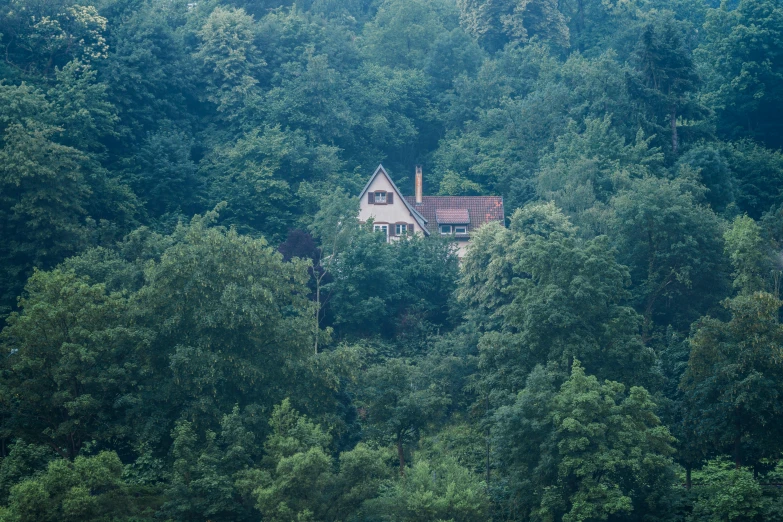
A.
x: 419, y: 182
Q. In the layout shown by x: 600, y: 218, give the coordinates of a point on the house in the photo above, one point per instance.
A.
x: 395, y: 215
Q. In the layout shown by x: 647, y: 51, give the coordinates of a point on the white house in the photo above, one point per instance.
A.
x: 396, y: 215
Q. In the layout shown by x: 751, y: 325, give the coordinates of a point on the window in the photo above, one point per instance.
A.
x: 460, y: 230
x: 382, y: 228
x: 445, y: 229
x: 380, y: 197
x: 400, y: 229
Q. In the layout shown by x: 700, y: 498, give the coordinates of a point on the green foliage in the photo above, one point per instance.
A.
x: 216, y: 482
x: 672, y: 247
x: 733, y: 381
x: 430, y: 491
x: 587, y: 451
x: 748, y: 254
x: 714, y: 173
x: 757, y: 170
x: 85, y: 490
x: 234, y: 319
x: 587, y: 168
x: 397, y: 401
x: 666, y: 78
x: 727, y: 493
x: 557, y: 297
x: 301, y: 481
x: 496, y: 23
x: 385, y: 288
x: 71, y: 362
x: 230, y: 59
x: 741, y: 59
x: 22, y: 461
x: 634, y: 143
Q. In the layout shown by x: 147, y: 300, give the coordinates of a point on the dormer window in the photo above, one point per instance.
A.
x: 461, y: 230
x: 445, y: 230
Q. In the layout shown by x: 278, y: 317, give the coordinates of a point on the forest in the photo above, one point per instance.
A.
x: 196, y: 327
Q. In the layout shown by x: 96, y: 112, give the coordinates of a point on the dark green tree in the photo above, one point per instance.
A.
x: 742, y: 60
x: 397, y: 400
x: 672, y: 246
x: 666, y: 80
x: 71, y: 365
x: 733, y: 382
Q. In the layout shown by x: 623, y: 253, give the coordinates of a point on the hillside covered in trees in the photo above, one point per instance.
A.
x: 196, y: 327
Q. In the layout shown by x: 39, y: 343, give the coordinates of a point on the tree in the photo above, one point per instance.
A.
x: 494, y: 23
x: 301, y: 481
x: 669, y: 242
x: 163, y: 173
x: 89, y: 489
x: 734, y: 381
x: 213, y: 478
x: 587, y: 451
x: 728, y: 494
x: 43, y: 188
x: 71, y: 365
x: 230, y: 60
x: 40, y: 36
x: 749, y: 255
x: 21, y: 461
x: 667, y: 79
x: 742, y: 60
x: 297, y: 485
x: 587, y: 167
x: 232, y: 323
x: 397, y: 401
x: 441, y: 490
x: 552, y: 297
x: 335, y: 225
x: 709, y: 159
x: 80, y: 105
x: 758, y: 171
x: 403, y: 33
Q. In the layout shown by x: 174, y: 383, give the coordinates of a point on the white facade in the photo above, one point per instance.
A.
x: 382, y: 202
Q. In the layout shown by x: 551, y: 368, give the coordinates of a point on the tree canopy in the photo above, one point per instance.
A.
x: 196, y: 326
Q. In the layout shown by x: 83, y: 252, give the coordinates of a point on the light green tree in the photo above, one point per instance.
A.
x: 89, y: 489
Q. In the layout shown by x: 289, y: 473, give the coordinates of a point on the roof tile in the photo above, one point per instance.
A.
x: 480, y: 209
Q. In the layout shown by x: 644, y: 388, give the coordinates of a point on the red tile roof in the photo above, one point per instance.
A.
x: 452, y: 216
x: 480, y: 209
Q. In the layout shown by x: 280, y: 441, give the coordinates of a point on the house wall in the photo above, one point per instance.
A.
x: 392, y: 214
x: 461, y: 248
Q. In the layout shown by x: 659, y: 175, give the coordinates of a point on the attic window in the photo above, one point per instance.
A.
x: 380, y: 197
x: 461, y: 230
x: 445, y: 229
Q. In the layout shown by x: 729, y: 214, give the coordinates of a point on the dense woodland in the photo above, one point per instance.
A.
x: 196, y: 327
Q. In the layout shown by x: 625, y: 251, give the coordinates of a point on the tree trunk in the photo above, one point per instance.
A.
x: 738, y: 449
x: 675, y: 138
x: 317, y: 308
x: 401, y: 456
x: 487, y: 435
